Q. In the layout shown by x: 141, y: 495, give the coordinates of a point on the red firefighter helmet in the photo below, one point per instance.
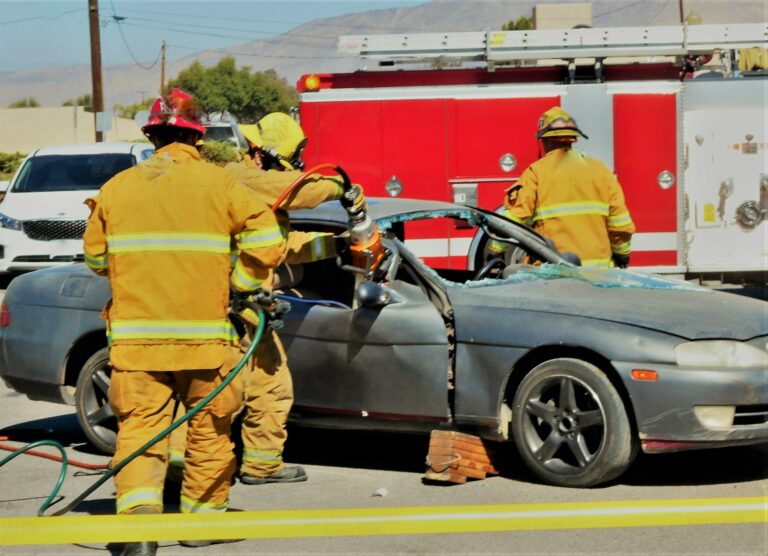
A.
x: 176, y: 109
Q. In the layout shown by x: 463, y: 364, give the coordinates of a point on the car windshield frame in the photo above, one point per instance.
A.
x: 70, y: 172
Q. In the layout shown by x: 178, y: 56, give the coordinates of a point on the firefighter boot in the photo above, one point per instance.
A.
x: 201, y: 543
x: 288, y: 474
x: 144, y: 548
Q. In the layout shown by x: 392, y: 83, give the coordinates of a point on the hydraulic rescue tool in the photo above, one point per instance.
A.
x: 364, y: 240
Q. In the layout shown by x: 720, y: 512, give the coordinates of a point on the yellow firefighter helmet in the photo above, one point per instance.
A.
x: 280, y: 136
x: 557, y: 123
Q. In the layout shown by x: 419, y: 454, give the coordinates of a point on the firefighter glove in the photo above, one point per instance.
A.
x: 621, y: 261
x: 354, y: 200
x: 343, y: 253
x: 245, y: 304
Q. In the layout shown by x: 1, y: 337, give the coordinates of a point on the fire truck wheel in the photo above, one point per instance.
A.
x: 496, y: 263
x: 92, y: 403
x: 570, y: 425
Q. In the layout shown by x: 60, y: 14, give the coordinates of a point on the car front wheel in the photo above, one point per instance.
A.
x: 92, y: 402
x: 570, y: 425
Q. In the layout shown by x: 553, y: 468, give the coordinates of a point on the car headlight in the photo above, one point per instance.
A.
x: 720, y: 353
x: 9, y: 223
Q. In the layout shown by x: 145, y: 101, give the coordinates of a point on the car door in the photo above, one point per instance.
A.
x: 389, y: 362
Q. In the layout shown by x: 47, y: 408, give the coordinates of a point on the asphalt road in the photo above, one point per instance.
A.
x: 356, y: 472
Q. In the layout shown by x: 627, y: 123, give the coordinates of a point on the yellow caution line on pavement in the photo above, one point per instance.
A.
x: 381, y: 521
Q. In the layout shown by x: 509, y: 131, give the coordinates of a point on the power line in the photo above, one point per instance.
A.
x: 46, y: 17
x: 664, y: 5
x: 617, y: 9
x: 118, y: 21
x: 230, y: 29
x: 260, y: 54
x: 186, y: 31
x: 243, y: 20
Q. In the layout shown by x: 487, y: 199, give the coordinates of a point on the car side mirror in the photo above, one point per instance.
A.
x: 373, y: 295
x: 4, y: 186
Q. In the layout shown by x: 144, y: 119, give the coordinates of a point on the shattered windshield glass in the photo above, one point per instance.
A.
x: 455, y: 244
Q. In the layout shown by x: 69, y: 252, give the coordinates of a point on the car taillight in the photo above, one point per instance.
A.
x: 5, y: 315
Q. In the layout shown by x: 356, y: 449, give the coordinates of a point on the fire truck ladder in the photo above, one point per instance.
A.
x: 504, y: 47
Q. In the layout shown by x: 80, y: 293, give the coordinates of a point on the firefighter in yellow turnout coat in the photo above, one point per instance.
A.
x: 276, y: 144
x: 163, y: 232
x: 270, y: 168
x: 574, y: 200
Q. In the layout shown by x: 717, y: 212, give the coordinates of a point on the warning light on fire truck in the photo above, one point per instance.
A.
x: 312, y: 82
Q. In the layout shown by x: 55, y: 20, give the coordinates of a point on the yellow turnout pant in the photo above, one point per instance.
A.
x: 143, y: 403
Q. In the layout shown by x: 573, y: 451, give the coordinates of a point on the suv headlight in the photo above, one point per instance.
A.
x: 720, y: 353
x: 9, y: 223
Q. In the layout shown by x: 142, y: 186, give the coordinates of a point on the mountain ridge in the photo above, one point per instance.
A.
x: 311, y: 47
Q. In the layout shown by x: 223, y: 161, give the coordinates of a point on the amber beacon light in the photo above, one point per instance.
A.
x: 312, y: 82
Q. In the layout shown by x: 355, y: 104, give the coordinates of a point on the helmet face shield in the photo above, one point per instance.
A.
x: 295, y: 159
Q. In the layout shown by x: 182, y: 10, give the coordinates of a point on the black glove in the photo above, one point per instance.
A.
x: 353, y: 199
x: 243, y: 304
x: 621, y: 261
x: 343, y: 254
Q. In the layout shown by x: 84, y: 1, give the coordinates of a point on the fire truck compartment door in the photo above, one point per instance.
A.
x: 646, y: 164
x: 727, y: 169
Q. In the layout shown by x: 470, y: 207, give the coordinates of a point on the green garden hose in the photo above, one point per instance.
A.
x: 187, y: 416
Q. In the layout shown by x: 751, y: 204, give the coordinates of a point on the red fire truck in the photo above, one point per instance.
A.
x: 679, y: 113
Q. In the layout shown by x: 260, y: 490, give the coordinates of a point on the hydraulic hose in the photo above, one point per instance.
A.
x: 347, y: 183
x: 116, y: 469
x: 72, y: 462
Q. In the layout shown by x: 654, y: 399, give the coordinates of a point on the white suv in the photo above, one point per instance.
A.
x: 43, y: 215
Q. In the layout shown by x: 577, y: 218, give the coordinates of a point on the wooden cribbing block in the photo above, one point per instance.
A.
x: 454, y: 457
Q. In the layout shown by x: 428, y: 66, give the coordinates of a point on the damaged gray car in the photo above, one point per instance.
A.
x: 580, y: 368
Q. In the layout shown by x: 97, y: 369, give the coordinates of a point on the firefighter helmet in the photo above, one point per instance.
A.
x: 556, y: 123
x: 280, y: 136
x: 176, y: 109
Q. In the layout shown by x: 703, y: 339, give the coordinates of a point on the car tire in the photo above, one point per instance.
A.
x: 570, y: 425
x: 92, y: 402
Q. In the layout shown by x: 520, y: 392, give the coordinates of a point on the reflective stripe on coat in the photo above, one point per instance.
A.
x: 577, y: 202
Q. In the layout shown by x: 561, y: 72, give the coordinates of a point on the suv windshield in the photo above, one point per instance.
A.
x: 70, y: 172
x: 225, y: 132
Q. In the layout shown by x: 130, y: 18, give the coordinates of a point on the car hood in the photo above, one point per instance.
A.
x: 48, y: 205
x: 652, y: 302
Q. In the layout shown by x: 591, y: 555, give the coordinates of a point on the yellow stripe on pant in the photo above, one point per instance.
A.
x: 381, y: 521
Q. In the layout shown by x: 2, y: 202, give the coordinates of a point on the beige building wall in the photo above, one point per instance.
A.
x: 25, y: 129
x: 562, y: 16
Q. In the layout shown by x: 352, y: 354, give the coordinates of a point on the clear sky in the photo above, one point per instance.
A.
x: 54, y: 33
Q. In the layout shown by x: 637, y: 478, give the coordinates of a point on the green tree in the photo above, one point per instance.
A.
x: 85, y: 100
x: 27, y: 102
x: 522, y: 23
x: 225, y: 88
x: 130, y: 110
x: 9, y: 163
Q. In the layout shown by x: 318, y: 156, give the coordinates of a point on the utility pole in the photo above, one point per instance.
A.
x: 162, y: 69
x: 98, y: 94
